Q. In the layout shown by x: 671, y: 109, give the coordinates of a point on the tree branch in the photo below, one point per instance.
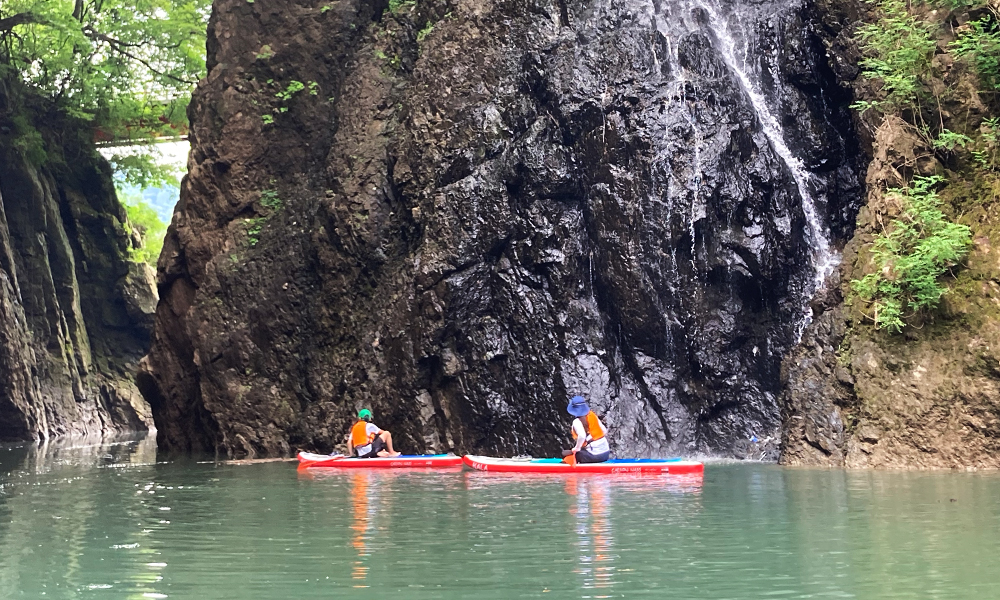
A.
x: 25, y: 18
x: 120, y: 47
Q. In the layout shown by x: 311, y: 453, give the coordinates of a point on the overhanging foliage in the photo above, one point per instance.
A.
x: 125, y: 67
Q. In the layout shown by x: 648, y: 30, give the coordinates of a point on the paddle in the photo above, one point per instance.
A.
x: 570, y: 460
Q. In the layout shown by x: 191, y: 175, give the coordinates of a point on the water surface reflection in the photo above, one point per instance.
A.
x: 109, y: 521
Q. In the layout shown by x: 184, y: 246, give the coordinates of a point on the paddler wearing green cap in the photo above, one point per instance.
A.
x: 368, y: 440
x: 589, y: 432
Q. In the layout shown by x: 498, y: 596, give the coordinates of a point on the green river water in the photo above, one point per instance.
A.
x: 109, y: 521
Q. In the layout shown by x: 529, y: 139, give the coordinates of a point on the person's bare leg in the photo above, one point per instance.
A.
x: 389, y: 451
x: 387, y: 437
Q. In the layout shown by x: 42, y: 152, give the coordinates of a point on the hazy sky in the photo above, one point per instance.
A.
x: 174, y: 153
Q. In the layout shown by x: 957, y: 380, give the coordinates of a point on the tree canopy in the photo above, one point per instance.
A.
x: 125, y: 66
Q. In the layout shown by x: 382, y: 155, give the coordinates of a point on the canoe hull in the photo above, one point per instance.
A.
x: 616, y: 467
x: 310, y: 461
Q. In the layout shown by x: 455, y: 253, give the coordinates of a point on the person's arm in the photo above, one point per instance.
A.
x: 581, y: 435
x: 350, y: 445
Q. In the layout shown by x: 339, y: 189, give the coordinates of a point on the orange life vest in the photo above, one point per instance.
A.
x: 360, y: 436
x: 592, y: 425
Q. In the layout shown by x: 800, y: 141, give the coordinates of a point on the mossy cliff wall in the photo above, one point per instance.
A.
x: 928, y: 397
x: 75, y: 313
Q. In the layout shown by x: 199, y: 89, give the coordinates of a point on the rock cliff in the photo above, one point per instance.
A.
x: 928, y: 397
x: 75, y: 314
x: 462, y: 213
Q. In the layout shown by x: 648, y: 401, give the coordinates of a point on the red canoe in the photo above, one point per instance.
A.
x: 308, y: 460
x: 649, y: 466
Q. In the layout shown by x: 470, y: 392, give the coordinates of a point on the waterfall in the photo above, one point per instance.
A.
x: 735, y: 135
x: 824, y: 258
x: 734, y: 46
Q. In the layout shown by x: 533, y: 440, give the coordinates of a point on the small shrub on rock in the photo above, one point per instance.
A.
x: 979, y: 42
x: 898, y: 50
x: 911, y: 255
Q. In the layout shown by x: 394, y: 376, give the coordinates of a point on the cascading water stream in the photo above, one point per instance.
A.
x: 713, y: 90
x: 824, y: 258
x: 729, y: 137
x: 733, y: 45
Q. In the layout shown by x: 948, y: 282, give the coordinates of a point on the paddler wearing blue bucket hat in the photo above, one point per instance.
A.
x: 589, y: 432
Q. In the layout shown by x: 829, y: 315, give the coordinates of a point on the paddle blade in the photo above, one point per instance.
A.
x: 570, y: 460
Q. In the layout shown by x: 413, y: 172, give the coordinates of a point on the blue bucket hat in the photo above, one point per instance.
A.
x: 578, y: 407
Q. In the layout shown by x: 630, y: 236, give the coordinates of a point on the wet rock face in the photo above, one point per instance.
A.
x: 530, y: 201
x: 817, y: 386
x: 70, y: 337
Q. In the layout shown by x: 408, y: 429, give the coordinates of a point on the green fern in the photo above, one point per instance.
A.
x: 270, y: 200
x: 293, y: 87
x: 949, y: 140
x: 426, y: 31
x: 898, y: 50
x: 396, y: 6
x: 980, y: 42
x: 911, y: 255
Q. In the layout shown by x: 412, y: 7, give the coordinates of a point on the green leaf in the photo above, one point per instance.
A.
x: 979, y: 43
x: 898, y: 49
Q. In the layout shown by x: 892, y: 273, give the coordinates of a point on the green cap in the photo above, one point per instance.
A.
x: 364, y: 414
